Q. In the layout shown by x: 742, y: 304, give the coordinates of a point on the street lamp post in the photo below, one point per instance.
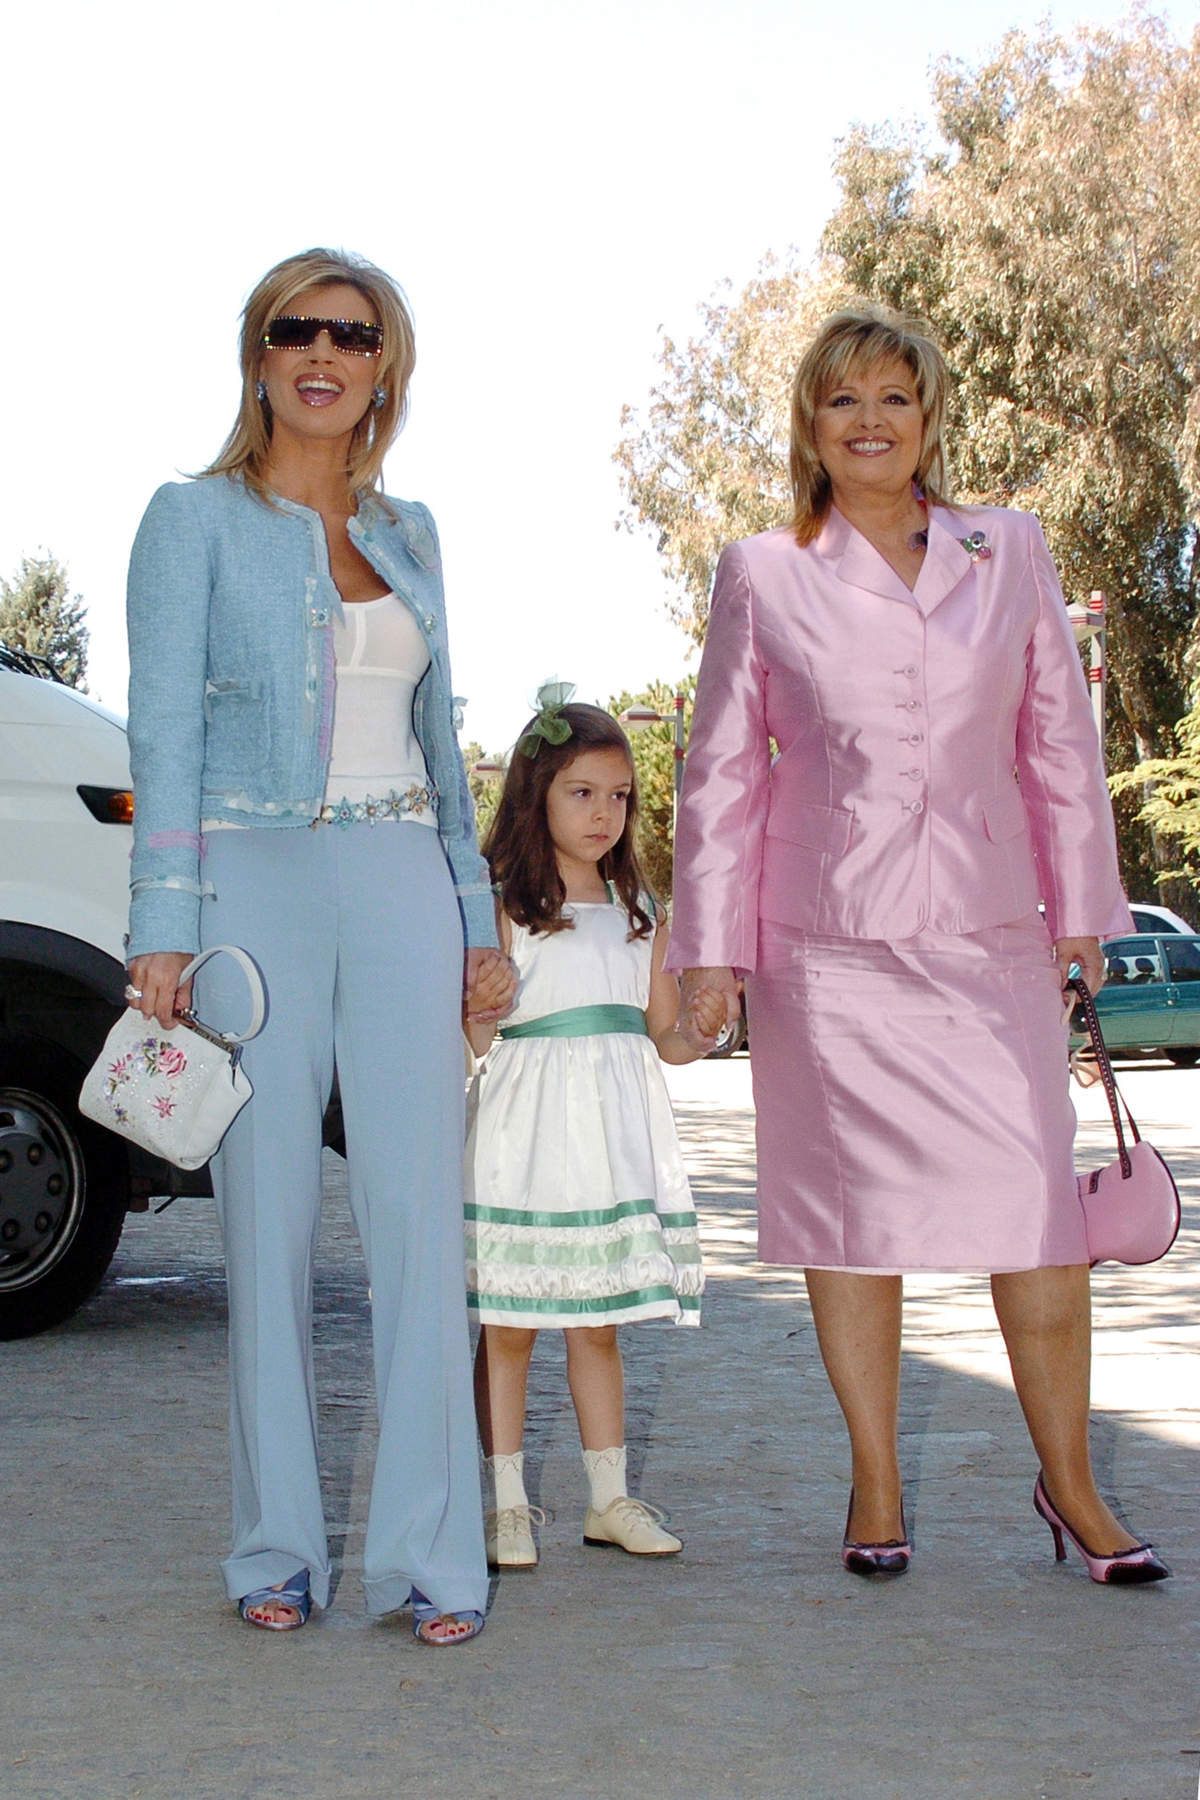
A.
x: 1088, y: 624
x: 637, y: 718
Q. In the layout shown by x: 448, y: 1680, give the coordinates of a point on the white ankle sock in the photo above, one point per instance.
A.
x: 506, y: 1479
x: 606, y: 1475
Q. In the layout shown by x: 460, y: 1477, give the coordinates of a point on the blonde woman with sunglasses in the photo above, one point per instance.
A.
x: 299, y: 791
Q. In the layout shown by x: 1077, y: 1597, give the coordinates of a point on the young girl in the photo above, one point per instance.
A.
x: 579, y: 1214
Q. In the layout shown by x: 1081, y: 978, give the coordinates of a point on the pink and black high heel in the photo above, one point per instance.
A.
x: 890, y: 1558
x: 1127, y: 1568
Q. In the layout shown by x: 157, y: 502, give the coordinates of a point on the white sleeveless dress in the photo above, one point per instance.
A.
x: 578, y: 1210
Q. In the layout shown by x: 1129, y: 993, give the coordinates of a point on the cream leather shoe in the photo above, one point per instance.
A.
x: 630, y: 1525
x: 508, y: 1537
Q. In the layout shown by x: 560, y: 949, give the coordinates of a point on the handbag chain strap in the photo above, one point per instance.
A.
x: 1115, y: 1098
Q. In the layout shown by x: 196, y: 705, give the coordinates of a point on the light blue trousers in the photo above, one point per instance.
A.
x: 358, y: 936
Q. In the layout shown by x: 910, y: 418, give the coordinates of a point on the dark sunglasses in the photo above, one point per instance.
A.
x: 295, y: 332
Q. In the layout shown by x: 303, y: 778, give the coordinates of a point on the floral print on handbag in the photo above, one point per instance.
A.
x: 175, y: 1093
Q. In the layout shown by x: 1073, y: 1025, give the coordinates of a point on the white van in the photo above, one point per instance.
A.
x: 65, y: 838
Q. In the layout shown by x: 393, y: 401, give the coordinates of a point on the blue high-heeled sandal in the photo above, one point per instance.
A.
x: 426, y: 1613
x: 293, y: 1594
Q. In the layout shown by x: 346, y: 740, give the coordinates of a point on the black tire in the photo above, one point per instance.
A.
x: 1183, y: 1059
x: 730, y: 1038
x: 64, y: 1188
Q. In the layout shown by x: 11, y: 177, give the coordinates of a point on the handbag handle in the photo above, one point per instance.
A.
x: 258, y: 998
x: 1111, y: 1090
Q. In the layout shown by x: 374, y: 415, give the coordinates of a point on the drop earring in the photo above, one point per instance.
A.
x: 378, y: 396
x: 260, y: 391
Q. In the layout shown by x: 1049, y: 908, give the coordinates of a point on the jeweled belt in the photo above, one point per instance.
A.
x: 371, y: 811
x: 581, y: 1021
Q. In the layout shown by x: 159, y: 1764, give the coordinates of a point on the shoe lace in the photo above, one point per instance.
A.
x: 512, y: 1518
x: 629, y: 1508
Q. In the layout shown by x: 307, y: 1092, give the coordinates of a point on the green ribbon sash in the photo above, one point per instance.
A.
x: 581, y: 1021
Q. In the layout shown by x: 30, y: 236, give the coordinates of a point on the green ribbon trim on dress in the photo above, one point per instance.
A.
x: 581, y: 1021
x: 532, y: 1249
x: 594, y: 1215
x: 646, y: 1296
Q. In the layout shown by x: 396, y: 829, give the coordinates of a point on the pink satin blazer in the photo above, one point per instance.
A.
x: 937, y: 765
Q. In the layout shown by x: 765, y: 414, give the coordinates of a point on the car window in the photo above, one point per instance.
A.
x: 1148, y: 921
x: 1183, y: 959
x: 1133, y: 961
x: 1133, y: 971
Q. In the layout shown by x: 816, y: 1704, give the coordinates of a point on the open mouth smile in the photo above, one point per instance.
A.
x: 318, y: 390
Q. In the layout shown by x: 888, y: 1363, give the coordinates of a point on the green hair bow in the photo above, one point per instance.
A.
x: 552, y: 696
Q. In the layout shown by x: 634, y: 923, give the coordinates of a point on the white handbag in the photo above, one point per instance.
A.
x: 176, y: 1093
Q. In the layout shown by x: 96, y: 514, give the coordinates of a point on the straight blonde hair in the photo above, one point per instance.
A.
x: 857, y: 337
x: 246, y: 451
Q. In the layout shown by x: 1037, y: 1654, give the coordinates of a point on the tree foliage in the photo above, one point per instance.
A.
x: 1052, y: 239
x: 485, y: 788
x: 39, y: 613
x: 709, y: 462
x: 653, y: 749
x: 1169, y: 788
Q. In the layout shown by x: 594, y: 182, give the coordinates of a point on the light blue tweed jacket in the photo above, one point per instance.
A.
x: 231, y: 608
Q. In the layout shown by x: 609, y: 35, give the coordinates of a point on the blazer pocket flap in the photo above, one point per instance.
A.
x: 823, y: 828
x: 233, y: 690
x: 1004, y: 817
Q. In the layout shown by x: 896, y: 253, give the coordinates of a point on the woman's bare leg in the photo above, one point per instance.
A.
x: 858, y: 1328
x: 1046, y: 1318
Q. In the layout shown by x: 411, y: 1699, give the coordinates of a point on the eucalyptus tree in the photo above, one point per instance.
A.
x: 1051, y: 236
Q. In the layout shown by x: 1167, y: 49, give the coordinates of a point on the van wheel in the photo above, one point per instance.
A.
x: 1184, y: 1059
x: 64, y: 1187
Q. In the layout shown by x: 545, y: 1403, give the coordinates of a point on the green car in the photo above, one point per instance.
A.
x: 1151, y: 998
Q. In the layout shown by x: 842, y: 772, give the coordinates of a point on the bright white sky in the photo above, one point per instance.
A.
x: 551, y: 182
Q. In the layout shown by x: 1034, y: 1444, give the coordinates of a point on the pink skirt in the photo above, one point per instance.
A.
x: 912, y: 1102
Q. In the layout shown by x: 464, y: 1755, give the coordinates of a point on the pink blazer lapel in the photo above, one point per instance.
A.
x: 856, y: 561
x: 946, y: 561
x: 859, y: 563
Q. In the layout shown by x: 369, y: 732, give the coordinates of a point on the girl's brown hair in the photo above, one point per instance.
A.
x: 856, y: 337
x: 246, y: 450
x: 519, y: 847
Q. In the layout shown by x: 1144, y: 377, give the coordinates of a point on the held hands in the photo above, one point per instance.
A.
x: 700, y: 1022
x: 708, y: 1000
x: 489, y: 985
x: 1087, y: 953
x: 157, y: 978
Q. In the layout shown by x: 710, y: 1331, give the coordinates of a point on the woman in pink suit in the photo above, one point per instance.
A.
x: 877, y: 883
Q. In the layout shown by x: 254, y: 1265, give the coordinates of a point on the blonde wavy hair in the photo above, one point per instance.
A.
x: 857, y: 337
x: 246, y: 450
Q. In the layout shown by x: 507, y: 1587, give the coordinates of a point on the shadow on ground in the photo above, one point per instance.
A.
x: 750, y: 1666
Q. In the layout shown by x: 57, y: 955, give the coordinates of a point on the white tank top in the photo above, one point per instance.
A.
x: 380, y: 656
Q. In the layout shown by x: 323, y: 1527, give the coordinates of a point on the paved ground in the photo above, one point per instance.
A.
x: 750, y: 1666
